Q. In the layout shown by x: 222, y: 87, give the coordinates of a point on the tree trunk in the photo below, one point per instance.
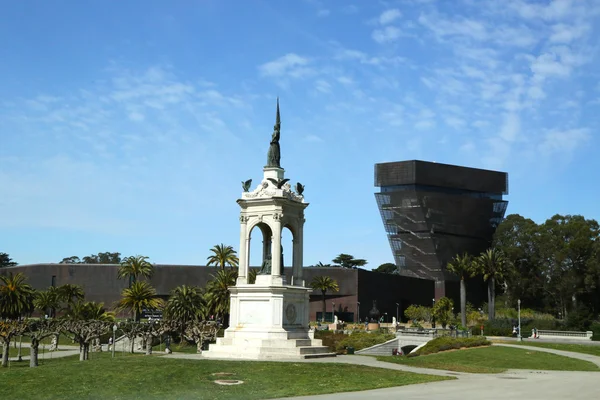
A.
x: 463, y: 303
x: 5, y: 350
x: 491, y: 298
x: 132, y: 340
x: 324, y: 307
x: 81, y: 352
x: 33, y: 353
x: 86, y: 351
x: 148, y: 345
x: 199, y: 346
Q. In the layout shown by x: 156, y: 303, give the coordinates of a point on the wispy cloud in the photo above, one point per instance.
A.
x: 290, y: 65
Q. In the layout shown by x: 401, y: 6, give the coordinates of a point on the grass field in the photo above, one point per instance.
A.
x: 25, y: 351
x: 576, y: 348
x: 157, y: 377
x: 493, y: 360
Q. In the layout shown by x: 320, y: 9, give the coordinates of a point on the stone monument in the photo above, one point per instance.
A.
x: 269, y: 319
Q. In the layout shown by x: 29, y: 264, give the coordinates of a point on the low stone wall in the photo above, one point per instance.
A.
x: 545, y: 334
x: 401, y: 340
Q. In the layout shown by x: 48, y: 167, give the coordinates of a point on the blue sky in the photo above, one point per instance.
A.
x: 128, y: 126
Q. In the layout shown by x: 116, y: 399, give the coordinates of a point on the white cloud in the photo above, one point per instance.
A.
x: 387, y: 34
x: 136, y: 116
x: 549, y: 64
x: 313, y: 139
x: 345, y: 80
x: 323, y: 13
x: 389, y: 16
x: 322, y: 86
x: 290, y: 64
x: 563, y: 141
x: 563, y: 33
x: 511, y: 127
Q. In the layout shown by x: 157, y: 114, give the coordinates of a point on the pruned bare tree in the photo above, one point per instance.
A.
x: 9, y: 328
x: 200, y: 332
x: 37, y: 330
x: 83, y: 332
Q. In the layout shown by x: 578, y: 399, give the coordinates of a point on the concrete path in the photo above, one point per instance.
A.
x: 511, y: 384
x: 571, y: 354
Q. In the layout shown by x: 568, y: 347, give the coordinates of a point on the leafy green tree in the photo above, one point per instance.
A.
x: 138, y: 297
x: 417, y: 313
x: 9, y: 328
x: 348, y: 261
x: 70, y: 260
x: 133, y: 267
x: 493, y: 265
x: 217, y: 292
x: 6, y: 261
x: 464, y: 267
x: 324, y: 284
x: 442, y: 311
x: 387, y: 268
x: 321, y: 265
x: 222, y: 256
x: 519, y: 239
x: 16, y: 296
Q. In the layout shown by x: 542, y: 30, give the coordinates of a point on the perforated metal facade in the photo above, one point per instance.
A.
x: 431, y: 212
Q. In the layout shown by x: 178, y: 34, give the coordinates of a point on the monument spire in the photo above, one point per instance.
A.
x: 277, y: 118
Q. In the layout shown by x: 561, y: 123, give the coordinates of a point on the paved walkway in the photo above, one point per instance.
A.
x: 511, y: 384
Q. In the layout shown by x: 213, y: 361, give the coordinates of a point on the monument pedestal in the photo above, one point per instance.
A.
x: 268, y: 322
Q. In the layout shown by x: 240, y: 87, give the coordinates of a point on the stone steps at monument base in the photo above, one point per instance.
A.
x: 268, y: 352
x: 292, y: 343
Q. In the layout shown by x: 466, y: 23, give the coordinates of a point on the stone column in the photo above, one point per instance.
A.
x: 297, y: 279
x: 244, y: 248
x: 276, y: 246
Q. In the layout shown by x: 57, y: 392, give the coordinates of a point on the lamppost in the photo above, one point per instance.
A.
x: 519, y: 337
x: 397, y: 308
x: 332, y: 311
x: 113, y: 342
x: 358, y: 312
x: 432, y: 315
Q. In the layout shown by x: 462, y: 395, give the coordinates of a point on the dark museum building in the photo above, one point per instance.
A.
x: 357, y: 288
x: 431, y: 212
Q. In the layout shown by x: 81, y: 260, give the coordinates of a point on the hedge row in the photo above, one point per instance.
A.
x: 448, y: 343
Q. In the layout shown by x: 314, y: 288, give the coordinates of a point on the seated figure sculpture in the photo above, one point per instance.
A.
x: 265, y: 269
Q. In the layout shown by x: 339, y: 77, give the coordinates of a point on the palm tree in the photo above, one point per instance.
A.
x: 69, y: 294
x: 464, y: 267
x: 185, y: 304
x: 492, y: 264
x: 47, y: 301
x: 16, y: 296
x: 252, y: 272
x: 138, y: 297
x: 90, y: 310
x: 217, y: 292
x: 134, y: 266
x: 324, y: 283
x: 222, y: 256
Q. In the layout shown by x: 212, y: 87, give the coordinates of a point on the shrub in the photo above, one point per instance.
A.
x: 448, y: 343
x: 330, y: 338
x: 595, y: 327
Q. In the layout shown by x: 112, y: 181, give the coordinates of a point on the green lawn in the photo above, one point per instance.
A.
x: 157, y: 377
x: 493, y: 360
x: 176, y: 348
x: 577, y: 348
x: 25, y: 351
